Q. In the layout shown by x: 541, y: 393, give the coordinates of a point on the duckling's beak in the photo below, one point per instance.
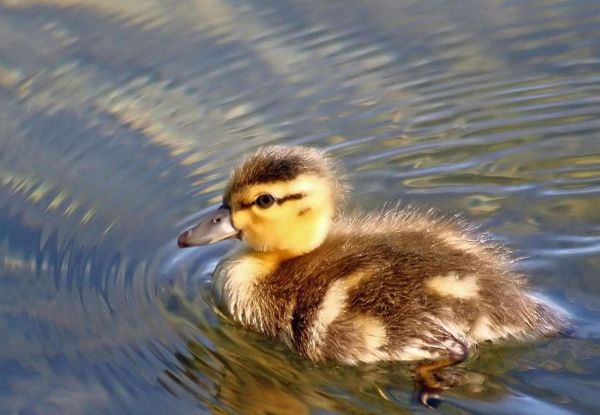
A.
x: 213, y: 228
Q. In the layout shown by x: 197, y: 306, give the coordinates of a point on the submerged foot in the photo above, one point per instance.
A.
x: 432, y: 378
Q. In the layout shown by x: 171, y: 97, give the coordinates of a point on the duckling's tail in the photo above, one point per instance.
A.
x: 550, y: 319
x: 576, y: 322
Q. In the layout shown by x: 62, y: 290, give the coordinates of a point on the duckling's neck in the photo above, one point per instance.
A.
x: 265, y: 262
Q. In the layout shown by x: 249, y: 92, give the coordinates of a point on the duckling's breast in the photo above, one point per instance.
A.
x: 242, y: 287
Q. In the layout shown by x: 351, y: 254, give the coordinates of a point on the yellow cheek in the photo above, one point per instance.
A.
x: 252, y: 227
x: 275, y: 213
x: 241, y: 219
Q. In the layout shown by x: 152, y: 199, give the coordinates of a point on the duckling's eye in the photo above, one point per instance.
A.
x: 265, y: 201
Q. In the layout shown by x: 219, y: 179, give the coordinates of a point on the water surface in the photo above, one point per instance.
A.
x: 119, y: 122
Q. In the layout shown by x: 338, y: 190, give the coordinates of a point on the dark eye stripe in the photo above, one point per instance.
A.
x: 279, y: 201
x: 295, y: 196
x: 242, y: 205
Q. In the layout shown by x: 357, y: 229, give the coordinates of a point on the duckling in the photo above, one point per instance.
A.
x: 399, y: 285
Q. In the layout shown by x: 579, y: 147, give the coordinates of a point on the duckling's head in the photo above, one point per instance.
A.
x: 279, y: 199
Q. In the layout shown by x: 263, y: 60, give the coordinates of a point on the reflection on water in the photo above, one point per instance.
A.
x: 120, y: 120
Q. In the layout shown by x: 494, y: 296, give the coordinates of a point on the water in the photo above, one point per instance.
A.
x: 119, y: 121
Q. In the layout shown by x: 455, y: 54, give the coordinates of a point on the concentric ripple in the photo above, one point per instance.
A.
x: 120, y: 120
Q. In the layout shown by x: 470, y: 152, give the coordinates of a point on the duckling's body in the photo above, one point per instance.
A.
x: 401, y: 285
x: 388, y: 288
